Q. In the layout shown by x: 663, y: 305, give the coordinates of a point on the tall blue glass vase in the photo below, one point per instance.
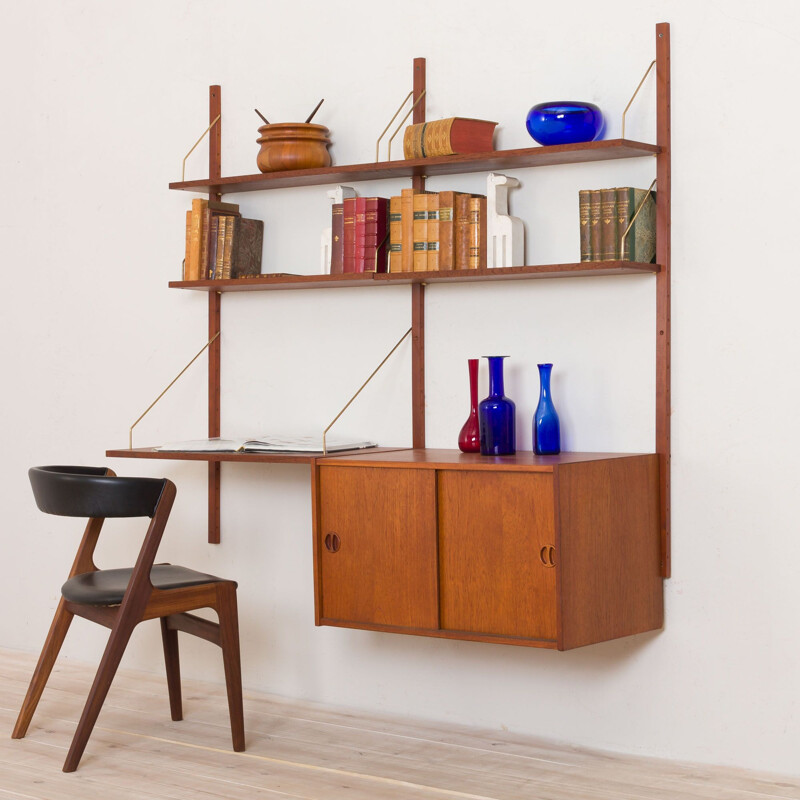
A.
x: 496, y: 415
x: 546, y: 427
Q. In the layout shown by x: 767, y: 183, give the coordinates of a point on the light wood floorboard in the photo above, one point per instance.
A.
x: 312, y: 752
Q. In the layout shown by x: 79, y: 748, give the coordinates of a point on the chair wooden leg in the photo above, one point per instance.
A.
x: 52, y: 646
x: 229, y: 640
x: 169, y: 639
x: 117, y: 641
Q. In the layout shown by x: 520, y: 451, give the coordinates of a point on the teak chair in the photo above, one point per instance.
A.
x: 122, y: 598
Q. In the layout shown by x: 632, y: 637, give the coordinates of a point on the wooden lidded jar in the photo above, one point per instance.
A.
x: 293, y: 145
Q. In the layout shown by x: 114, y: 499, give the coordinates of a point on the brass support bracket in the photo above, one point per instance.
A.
x: 647, y: 72
x: 174, y: 380
x: 378, y: 143
x: 630, y: 224
x: 374, y: 372
x: 183, y: 169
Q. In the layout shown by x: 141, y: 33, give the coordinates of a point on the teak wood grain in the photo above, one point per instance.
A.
x: 492, y: 527
x: 544, y: 551
x: 384, y: 571
x: 281, y: 280
x: 552, y: 155
x: 663, y: 280
x: 608, y: 549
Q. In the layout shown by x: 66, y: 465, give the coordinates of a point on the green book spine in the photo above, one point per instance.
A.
x: 594, y: 225
x: 583, y: 212
x: 639, y: 243
x: 609, y: 237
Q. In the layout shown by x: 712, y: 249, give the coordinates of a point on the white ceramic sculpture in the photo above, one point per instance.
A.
x: 505, y: 235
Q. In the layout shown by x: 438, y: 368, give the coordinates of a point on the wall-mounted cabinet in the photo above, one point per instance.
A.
x: 557, y: 552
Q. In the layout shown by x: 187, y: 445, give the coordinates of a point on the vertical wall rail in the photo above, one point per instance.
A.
x: 214, y: 307
x: 663, y: 216
x: 418, y: 292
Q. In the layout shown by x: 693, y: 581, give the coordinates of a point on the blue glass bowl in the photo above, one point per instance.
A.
x: 565, y: 122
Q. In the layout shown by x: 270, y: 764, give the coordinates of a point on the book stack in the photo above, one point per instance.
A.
x: 605, y: 217
x: 445, y: 137
x: 360, y: 235
x: 220, y: 243
x: 436, y: 231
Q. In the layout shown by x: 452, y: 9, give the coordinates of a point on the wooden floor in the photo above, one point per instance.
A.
x: 301, y: 750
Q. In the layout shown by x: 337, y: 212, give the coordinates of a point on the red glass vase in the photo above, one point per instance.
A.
x: 469, y: 440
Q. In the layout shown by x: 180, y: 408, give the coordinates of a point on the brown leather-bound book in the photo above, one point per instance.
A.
x: 196, y: 239
x: 407, y: 224
x: 477, y: 233
x: 444, y: 137
x: 213, y: 242
x: 594, y: 225
x: 247, y: 248
x: 376, y: 229
x: 222, y: 222
x: 583, y: 214
x: 349, y: 234
x: 337, y: 232
x: 395, y: 234
x: 447, y: 230
x: 462, y: 226
x: 433, y: 231
x: 608, y: 225
x: 186, y: 255
x: 231, y: 209
x: 413, y: 146
x: 227, y: 246
x: 212, y: 209
x: 420, y: 232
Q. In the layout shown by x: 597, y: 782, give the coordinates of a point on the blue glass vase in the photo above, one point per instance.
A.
x: 565, y: 122
x: 546, y: 427
x: 496, y: 415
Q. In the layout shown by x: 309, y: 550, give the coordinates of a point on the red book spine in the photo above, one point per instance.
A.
x: 376, y: 229
x: 360, y: 233
x: 349, y: 234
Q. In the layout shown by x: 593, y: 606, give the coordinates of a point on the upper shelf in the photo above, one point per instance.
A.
x: 442, y: 165
x: 283, y: 280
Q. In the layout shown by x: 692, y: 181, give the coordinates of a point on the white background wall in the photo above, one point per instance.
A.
x: 102, y: 100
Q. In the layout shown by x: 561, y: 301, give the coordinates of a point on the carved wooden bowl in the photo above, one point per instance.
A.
x: 293, y: 145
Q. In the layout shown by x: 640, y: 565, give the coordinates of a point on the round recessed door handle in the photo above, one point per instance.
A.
x: 332, y: 542
x: 547, y: 555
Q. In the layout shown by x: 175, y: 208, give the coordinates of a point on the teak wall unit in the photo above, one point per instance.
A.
x: 565, y: 625
x: 556, y: 552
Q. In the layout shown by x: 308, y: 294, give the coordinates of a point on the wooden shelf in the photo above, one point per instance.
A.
x: 585, y: 269
x: 263, y: 458
x: 442, y: 165
x: 430, y: 458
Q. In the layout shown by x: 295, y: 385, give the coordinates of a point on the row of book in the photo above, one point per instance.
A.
x: 221, y: 243
x: 617, y: 224
x: 410, y: 232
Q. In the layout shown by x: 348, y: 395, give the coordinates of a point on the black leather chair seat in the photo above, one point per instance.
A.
x: 106, y: 587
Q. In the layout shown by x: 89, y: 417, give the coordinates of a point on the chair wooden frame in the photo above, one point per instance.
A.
x: 142, y: 601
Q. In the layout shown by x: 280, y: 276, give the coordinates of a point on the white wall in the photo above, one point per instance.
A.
x: 102, y: 102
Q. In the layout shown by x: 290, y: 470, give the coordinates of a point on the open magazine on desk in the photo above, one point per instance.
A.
x: 266, y: 443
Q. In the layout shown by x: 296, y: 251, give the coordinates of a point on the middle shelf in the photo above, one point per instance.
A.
x: 283, y: 280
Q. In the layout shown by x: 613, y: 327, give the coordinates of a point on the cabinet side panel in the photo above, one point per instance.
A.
x: 383, y: 571
x: 610, y: 550
x: 492, y: 528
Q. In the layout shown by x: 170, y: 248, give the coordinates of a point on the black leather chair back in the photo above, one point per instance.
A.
x: 92, y: 492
